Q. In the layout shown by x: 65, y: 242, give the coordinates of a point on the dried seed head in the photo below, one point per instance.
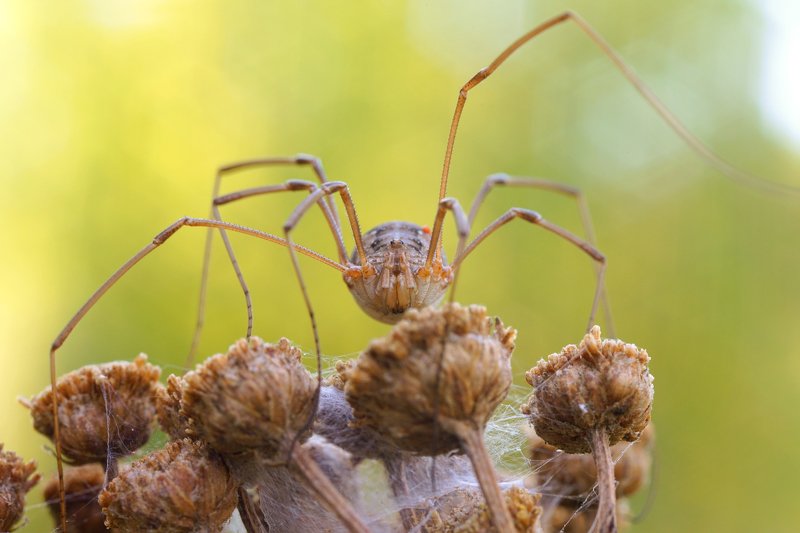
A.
x: 185, y: 487
x: 16, y: 479
x: 570, y: 474
x: 82, y: 484
x: 97, y: 402
x: 258, y: 396
x: 599, y: 385
x: 168, y: 407
x: 393, y: 387
x: 464, y: 511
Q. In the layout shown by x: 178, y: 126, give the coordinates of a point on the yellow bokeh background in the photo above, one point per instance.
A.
x: 115, y: 114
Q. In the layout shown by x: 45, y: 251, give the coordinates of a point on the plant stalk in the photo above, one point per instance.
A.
x: 606, y: 519
x: 318, y: 483
x: 472, y: 443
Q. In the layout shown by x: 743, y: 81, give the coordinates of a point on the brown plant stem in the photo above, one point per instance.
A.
x: 396, y: 468
x: 318, y: 482
x: 606, y: 519
x: 472, y: 443
x: 248, y: 514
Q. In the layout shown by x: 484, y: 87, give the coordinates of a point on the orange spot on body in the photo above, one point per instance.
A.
x: 426, y: 229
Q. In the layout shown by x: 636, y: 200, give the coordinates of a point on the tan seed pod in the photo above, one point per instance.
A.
x: 600, y: 384
x: 431, y: 385
x: 184, y: 487
x: 257, y: 396
x: 16, y: 479
x: 168, y: 408
x: 82, y: 485
x: 98, y: 401
x: 590, y: 397
x: 570, y: 475
x: 393, y: 386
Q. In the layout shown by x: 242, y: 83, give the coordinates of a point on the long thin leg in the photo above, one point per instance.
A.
x: 316, y: 196
x: 671, y: 120
x: 535, y: 218
x: 299, y: 160
x: 291, y: 185
x: 159, y: 239
x: 462, y: 228
x: 496, y: 180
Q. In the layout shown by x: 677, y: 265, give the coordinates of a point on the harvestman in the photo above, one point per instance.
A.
x: 398, y: 265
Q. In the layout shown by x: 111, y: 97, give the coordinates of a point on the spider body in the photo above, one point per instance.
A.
x: 396, y: 277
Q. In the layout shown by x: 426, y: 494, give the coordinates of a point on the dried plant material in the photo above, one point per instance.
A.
x: 464, y: 511
x: 16, y: 479
x: 589, y: 397
x: 82, y: 485
x: 182, y: 488
x: 598, y: 384
x: 103, y: 410
x: 431, y: 385
x: 252, y: 405
x: 289, y: 506
x: 571, y: 475
x: 393, y: 386
x: 257, y: 396
x: 168, y: 407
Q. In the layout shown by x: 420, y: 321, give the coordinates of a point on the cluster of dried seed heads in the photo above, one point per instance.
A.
x: 240, y: 435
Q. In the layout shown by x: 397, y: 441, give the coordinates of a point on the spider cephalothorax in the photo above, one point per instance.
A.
x: 396, y: 278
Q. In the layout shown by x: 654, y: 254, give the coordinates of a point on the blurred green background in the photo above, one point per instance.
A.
x: 115, y: 114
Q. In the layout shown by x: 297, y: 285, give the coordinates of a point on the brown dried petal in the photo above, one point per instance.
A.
x: 182, y: 488
x: 16, y: 479
x: 601, y: 384
x: 258, y: 396
x: 82, y: 485
x: 393, y: 385
x: 84, y: 417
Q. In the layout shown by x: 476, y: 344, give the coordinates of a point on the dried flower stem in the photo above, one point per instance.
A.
x: 248, y: 513
x: 606, y: 519
x: 396, y: 468
x: 472, y: 443
x: 318, y: 482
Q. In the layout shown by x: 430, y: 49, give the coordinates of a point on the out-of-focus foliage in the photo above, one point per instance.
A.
x: 115, y: 114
